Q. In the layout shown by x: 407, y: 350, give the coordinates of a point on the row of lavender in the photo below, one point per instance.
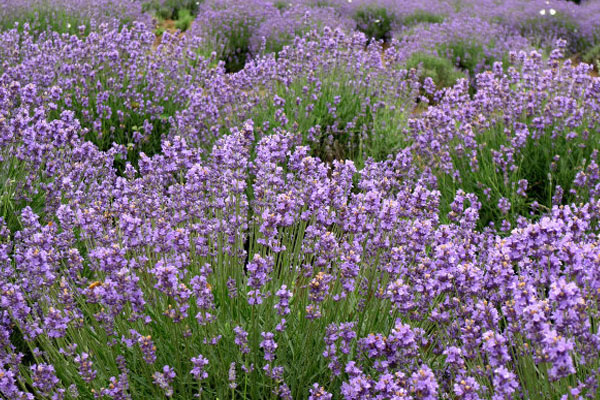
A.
x: 471, y: 34
x: 303, y: 228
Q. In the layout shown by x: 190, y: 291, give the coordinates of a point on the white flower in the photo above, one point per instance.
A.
x: 377, y: 21
x: 68, y: 26
x: 552, y: 11
x: 542, y: 12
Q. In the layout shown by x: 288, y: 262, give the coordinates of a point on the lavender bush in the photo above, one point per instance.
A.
x: 339, y: 218
x: 529, y: 148
x: 68, y: 16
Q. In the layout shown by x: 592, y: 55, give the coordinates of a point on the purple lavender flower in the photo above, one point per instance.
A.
x: 232, y: 376
x: 268, y: 345
x: 164, y: 379
x: 504, y: 205
x: 258, y: 271
x: 44, y: 378
x: 198, y: 371
x: 319, y: 393
x: 85, y: 367
x: 241, y: 339
x: 282, y: 306
x: 118, y: 388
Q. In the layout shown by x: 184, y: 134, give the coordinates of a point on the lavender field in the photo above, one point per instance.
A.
x: 300, y: 199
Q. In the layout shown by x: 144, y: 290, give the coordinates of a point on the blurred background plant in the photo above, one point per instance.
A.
x: 375, y: 22
x: 182, y: 12
x: 67, y: 16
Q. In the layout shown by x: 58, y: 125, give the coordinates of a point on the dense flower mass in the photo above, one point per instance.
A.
x: 315, y: 199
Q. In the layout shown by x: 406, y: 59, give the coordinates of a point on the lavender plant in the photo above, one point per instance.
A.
x: 323, y: 223
x: 375, y: 22
x: 340, y: 100
x: 121, y: 88
x: 228, y: 27
x: 68, y: 16
x: 520, y: 153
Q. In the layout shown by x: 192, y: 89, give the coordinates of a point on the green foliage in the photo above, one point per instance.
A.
x: 228, y: 32
x: 173, y: 9
x: 230, y: 40
x: 592, y: 56
x: 281, y: 4
x: 468, y: 55
x: 441, y: 70
x: 236, y: 48
x: 422, y: 17
x: 123, y: 120
x: 375, y: 22
x: 184, y: 20
x: 12, y: 176
x: 323, y: 3
x: 121, y: 131
x: 277, y: 40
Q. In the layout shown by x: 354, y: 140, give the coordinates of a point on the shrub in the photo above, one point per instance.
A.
x: 592, y: 56
x: 375, y: 22
x: 472, y: 44
x: 298, y: 20
x: 125, y: 93
x: 440, y: 69
x: 281, y: 4
x: 184, y: 20
x: 227, y: 27
x: 468, y: 55
x: 344, y: 103
x: 173, y: 9
x: 543, y: 31
x: 525, y: 156
x: 45, y: 19
x: 67, y: 16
